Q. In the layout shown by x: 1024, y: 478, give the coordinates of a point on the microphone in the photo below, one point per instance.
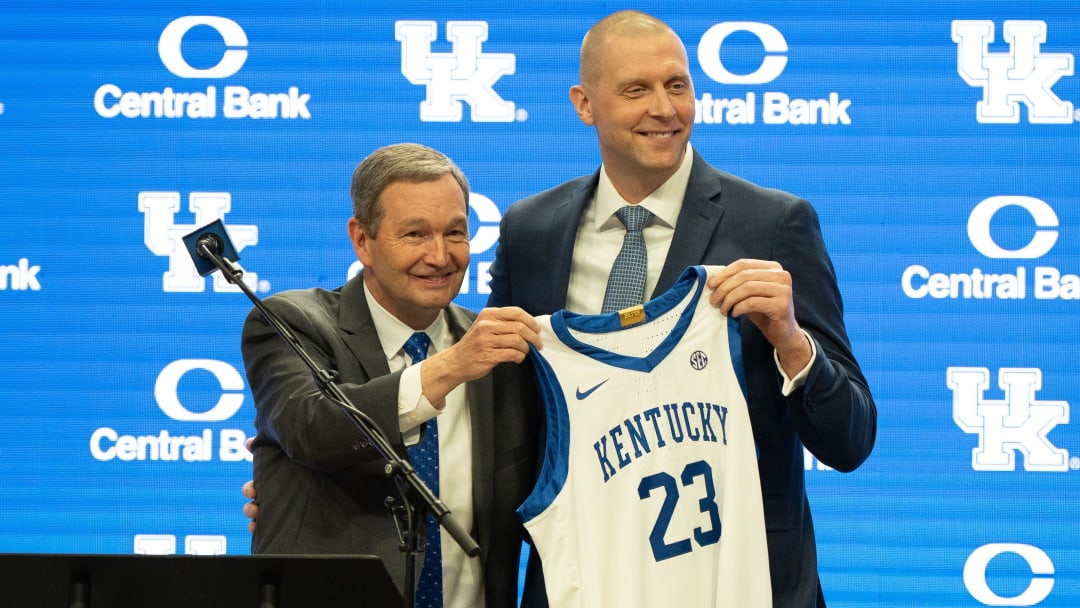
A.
x: 212, y: 244
x: 209, y: 242
x: 210, y: 249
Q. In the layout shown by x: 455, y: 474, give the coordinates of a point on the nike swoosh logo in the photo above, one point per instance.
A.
x: 583, y: 394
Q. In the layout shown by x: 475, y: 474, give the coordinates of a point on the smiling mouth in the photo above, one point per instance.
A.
x: 435, y: 279
x: 659, y: 134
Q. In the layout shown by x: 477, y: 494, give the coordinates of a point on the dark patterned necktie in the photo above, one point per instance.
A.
x: 626, y: 283
x: 425, y: 459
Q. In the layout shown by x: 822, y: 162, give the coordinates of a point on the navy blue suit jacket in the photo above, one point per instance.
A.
x: 725, y: 218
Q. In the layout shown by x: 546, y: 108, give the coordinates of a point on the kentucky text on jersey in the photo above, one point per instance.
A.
x: 640, y: 432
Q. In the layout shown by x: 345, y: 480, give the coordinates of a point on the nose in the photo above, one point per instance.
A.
x: 437, y: 252
x: 661, y: 105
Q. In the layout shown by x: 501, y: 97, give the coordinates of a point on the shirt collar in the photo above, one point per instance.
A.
x: 664, y: 203
x: 393, y: 332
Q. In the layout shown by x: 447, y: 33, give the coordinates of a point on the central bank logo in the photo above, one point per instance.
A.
x: 1040, y: 571
x: 1034, y: 228
x: 167, y: 394
x: 772, y: 42
x: 232, y: 59
x: 20, y: 277
x: 165, y: 237
x: 187, y: 444
x: 233, y: 101
x: 1042, y: 238
x: 1018, y: 422
x: 466, y: 74
x: 1024, y: 75
x: 774, y: 107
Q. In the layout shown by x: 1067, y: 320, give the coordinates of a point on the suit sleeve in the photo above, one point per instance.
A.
x: 291, y: 410
x: 500, y: 281
x: 833, y: 412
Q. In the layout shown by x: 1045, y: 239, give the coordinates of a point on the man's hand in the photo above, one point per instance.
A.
x: 498, y: 335
x: 761, y: 290
x: 251, y: 509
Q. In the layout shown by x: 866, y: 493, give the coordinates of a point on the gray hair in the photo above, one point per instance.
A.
x: 396, y: 163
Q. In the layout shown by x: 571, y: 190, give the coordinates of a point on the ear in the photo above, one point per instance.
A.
x: 580, y: 99
x: 360, y: 241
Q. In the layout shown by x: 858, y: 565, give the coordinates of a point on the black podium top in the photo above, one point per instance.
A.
x: 151, y: 581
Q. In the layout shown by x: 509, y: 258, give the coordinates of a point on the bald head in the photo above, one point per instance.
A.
x: 627, y: 23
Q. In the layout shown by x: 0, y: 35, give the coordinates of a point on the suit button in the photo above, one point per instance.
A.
x: 360, y: 445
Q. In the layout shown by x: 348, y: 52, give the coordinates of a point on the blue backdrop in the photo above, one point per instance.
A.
x: 938, y: 141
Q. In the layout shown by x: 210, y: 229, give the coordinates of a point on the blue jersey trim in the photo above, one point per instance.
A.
x: 554, y: 470
x: 693, y: 278
x: 734, y: 339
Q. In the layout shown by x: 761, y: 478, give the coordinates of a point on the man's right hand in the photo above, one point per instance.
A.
x: 498, y: 335
x: 251, y: 509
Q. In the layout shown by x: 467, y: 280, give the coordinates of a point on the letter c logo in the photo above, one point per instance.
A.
x: 169, y: 47
x: 165, y: 390
x: 1038, y: 561
x: 770, y: 37
x: 487, y: 212
x: 1041, y: 242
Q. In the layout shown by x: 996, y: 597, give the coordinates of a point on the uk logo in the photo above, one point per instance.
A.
x: 1024, y: 75
x: 165, y: 237
x: 466, y: 74
x: 1018, y: 422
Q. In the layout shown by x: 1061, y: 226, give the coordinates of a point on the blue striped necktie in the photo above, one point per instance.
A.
x: 425, y: 459
x: 626, y: 283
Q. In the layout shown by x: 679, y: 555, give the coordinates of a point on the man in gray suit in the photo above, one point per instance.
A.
x: 321, y: 485
x: 556, y: 248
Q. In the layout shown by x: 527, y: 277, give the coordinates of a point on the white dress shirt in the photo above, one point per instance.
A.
x: 600, y: 236
x: 462, y: 579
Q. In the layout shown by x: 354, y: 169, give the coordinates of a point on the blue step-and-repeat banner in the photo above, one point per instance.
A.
x: 939, y: 141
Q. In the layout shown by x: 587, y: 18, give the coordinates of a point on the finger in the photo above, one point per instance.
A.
x: 755, y: 297
x: 528, y: 332
x: 717, y: 277
x: 750, y: 306
x: 717, y: 295
x: 728, y: 291
x: 516, y: 342
x: 514, y: 314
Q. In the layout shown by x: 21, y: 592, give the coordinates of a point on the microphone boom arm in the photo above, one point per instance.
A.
x: 209, y: 247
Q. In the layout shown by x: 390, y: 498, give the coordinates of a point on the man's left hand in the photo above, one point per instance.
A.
x: 761, y: 290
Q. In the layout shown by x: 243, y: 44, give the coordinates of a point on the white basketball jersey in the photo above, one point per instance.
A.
x: 649, y: 493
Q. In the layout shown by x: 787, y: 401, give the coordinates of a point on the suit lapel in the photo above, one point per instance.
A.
x: 563, y: 235
x: 358, y: 330
x: 700, y: 214
x: 480, y: 397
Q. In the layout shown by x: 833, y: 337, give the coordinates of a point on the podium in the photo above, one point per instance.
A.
x: 170, y: 581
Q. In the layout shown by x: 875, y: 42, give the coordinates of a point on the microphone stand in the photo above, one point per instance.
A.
x: 208, y: 247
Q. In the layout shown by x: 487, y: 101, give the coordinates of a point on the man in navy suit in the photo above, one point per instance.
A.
x: 804, y: 385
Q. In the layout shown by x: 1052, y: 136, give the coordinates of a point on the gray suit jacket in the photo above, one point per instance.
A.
x: 725, y: 218
x: 321, y: 485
